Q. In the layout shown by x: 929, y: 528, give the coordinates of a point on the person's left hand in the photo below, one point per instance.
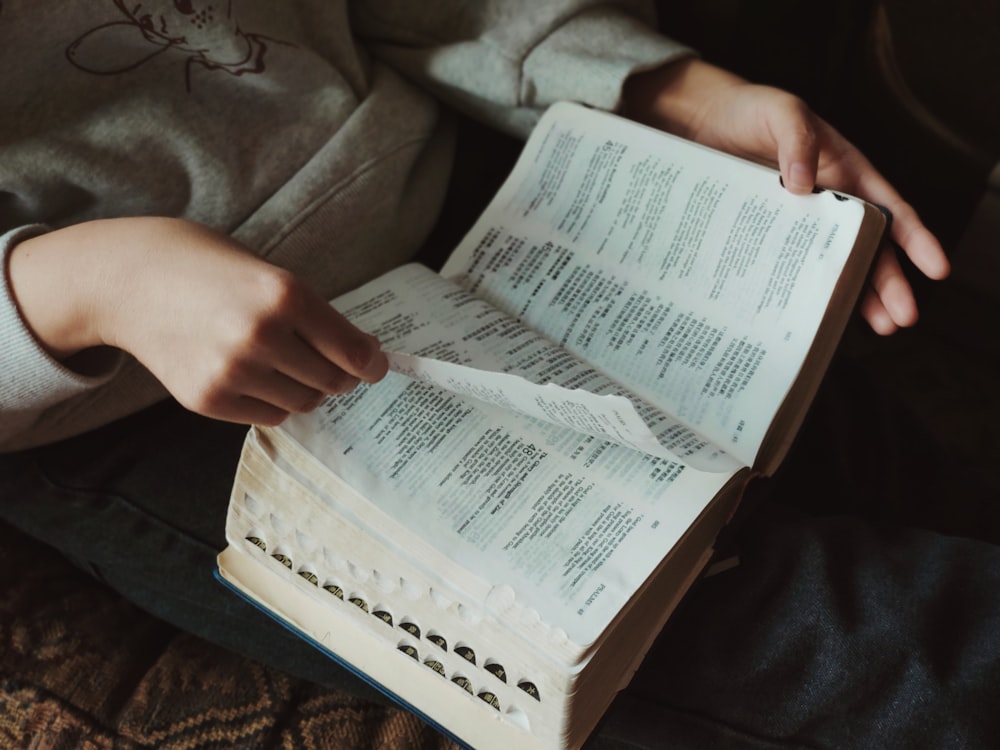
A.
x: 709, y: 105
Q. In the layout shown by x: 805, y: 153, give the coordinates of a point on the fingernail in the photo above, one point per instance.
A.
x: 800, y: 178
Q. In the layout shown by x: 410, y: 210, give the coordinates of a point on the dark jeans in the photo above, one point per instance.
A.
x: 843, y: 625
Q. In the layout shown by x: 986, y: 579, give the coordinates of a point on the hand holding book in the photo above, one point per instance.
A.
x: 709, y: 105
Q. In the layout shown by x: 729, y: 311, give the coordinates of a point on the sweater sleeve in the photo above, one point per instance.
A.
x: 505, y: 61
x: 32, y: 381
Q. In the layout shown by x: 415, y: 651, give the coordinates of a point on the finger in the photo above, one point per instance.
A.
x: 793, y: 127
x: 919, y: 244
x: 908, y: 231
x: 893, y: 290
x: 279, y: 390
x: 339, y: 341
x: 301, y: 362
x: 874, y: 312
x: 246, y: 410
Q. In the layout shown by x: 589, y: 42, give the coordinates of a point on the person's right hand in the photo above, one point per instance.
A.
x: 228, y: 334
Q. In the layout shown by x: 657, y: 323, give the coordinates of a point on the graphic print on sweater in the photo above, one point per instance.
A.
x: 193, y: 30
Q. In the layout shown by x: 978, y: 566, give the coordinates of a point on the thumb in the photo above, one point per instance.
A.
x: 794, y: 129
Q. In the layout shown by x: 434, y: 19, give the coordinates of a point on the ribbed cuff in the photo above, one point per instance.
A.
x: 588, y: 58
x: 30, y: 378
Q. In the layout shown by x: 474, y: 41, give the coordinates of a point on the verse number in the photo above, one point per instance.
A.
x: 739, y: 429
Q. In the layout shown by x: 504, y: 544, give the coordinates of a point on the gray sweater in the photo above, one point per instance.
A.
x: 313, y: 131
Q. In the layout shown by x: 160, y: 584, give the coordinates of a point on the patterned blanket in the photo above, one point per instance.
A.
x: 82, y: 668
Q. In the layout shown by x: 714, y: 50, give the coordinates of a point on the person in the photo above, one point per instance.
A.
x: 143, y: 243
x: 196, y: 179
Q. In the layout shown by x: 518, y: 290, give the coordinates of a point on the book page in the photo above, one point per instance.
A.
x: 608, y: 417
x: 691, y: 276
x: 570, y: 524
x: 440, y: 329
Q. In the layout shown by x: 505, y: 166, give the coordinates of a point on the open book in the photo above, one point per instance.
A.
x: 497, y: 531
